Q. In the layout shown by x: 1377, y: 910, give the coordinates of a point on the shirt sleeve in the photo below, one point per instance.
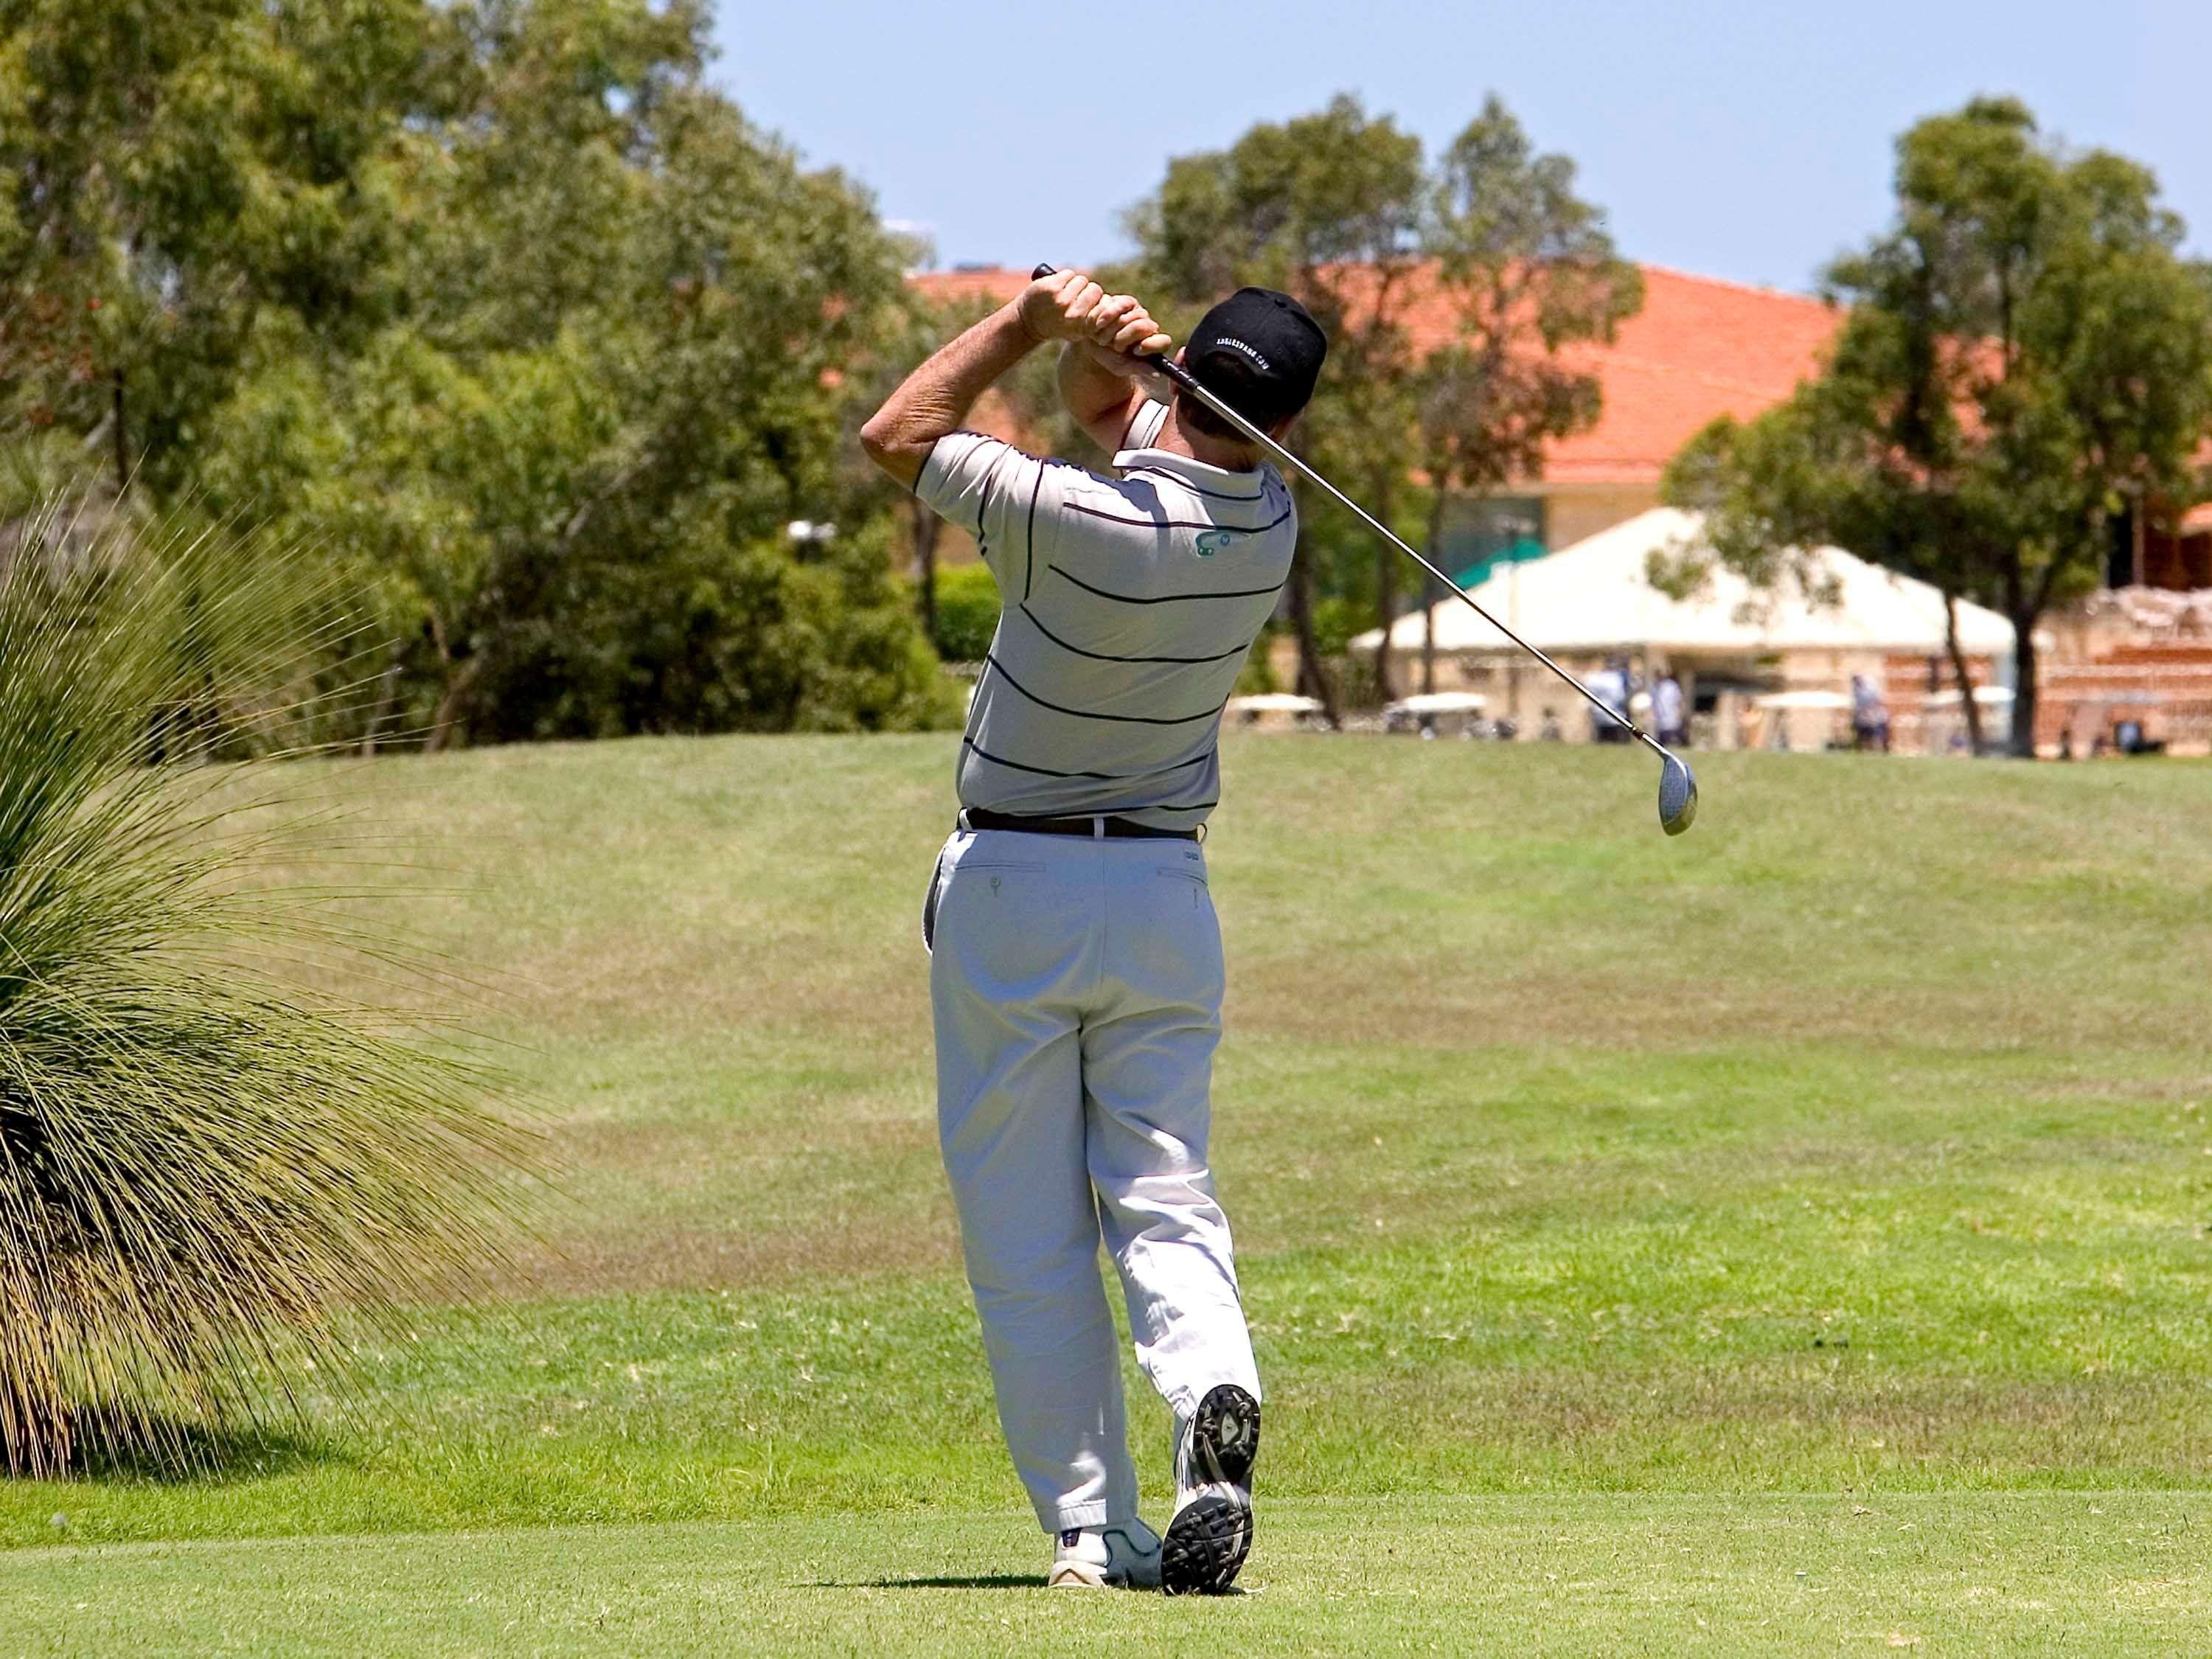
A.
x: 988, y: 489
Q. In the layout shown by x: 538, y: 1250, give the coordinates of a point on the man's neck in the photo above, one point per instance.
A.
x: 1229, y: 454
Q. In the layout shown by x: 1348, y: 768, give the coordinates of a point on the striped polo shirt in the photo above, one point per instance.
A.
x: 1129, y: 604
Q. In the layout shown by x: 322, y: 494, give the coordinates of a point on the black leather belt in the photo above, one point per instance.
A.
x: 1107, y: 828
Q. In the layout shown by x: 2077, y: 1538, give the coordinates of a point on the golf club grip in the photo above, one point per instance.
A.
x: 1156, y: 363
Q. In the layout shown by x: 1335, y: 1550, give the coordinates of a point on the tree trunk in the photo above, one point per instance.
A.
x: 925, y: 566
x: 1313, y: 682
x: 2023, y: 695
x: 387, y: 682
x: 1967, y: 706
x: 448, y: 712
x: 1385, y: 591
x: 458, y: 679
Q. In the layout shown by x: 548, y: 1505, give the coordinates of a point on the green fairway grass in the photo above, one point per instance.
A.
x: 1852, y: 1152
x: 2104, y: 1573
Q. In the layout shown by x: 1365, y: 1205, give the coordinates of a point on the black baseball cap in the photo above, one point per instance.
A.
x: 1260, y: 352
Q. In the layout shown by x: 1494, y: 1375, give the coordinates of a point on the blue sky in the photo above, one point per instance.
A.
x: 1741, y: 138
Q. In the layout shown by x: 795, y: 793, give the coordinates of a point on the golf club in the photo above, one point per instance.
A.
x: 1678, y: 789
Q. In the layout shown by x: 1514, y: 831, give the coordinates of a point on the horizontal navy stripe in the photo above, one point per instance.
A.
x: 1101, y: 656
x: 1041, y: 771
x: 1166, y: 598
x: 1104, y: 777
x: 1211, y: 495
x: 1179, y: 524
x: 1085, y: 714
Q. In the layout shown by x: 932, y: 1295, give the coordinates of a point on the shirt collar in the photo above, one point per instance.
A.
x: 1215, y: 480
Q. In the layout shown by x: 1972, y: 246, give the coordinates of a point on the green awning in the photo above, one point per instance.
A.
x: 1519, y: 552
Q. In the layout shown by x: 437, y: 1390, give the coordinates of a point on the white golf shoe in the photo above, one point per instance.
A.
x: 1126, y: 1555
x: 1212, y: 1532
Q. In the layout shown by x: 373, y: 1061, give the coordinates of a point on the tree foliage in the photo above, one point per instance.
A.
x: 500, y: 303
x: 1528, y: 269
x: 2028, y: 358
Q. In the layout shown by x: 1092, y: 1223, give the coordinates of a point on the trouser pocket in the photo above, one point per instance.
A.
x: 929, y: 904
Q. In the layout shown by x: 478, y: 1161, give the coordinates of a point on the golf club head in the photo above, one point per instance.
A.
x: 1677, y: 796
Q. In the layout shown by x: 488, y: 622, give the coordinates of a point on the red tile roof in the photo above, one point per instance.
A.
x: 993, y: 284
x: 1700, y: 348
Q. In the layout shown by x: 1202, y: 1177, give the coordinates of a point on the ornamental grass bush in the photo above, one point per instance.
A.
x: 209, y: 1159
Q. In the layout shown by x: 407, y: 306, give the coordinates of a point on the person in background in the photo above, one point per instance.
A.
x: 1667, y: 712
x: 1611, y: 686
x: 1869, y: 716
x: 1549, y: 731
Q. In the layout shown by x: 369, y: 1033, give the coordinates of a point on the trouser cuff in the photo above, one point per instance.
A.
x: 1184, y: 1402
x: 1071, y: 1516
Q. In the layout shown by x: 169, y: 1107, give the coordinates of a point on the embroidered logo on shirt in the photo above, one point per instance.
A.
x: 1211, y: 542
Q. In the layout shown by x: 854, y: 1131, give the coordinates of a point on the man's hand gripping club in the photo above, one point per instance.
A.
x: 1103, y: 333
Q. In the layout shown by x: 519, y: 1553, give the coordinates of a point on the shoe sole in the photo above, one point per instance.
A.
x: 1211, y: 1535
x: 1084, y: 1575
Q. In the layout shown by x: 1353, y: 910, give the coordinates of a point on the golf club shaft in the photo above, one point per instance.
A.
x: 1184, y: 380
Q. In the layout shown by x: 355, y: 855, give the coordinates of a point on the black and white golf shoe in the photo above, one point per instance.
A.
x: 1096, y: 1558
x: 1212, y: 1532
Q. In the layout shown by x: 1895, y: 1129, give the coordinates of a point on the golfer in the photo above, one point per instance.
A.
x: 1076, y: 971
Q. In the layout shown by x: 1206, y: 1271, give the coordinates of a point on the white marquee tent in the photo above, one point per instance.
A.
x: 1593, y: 597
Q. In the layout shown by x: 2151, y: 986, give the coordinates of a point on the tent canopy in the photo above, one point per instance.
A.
x: 1439, y: 703
x: 1836, y: 702
x: 1593, y: 597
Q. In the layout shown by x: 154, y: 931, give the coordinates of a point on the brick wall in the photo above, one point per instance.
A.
x: 2166, y: 687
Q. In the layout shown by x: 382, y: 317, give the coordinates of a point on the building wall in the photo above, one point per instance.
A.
x: 2164, y: 547
x: 1574, y: 512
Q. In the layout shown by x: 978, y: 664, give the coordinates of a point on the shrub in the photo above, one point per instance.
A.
x: 967, y: 612
x: 202, y: 1162
x: 1336, y: 621
x: 712, y: 637
x: 1258, y: 675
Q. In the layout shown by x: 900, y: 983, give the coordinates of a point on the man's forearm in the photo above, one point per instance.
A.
x: 936, y: 398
